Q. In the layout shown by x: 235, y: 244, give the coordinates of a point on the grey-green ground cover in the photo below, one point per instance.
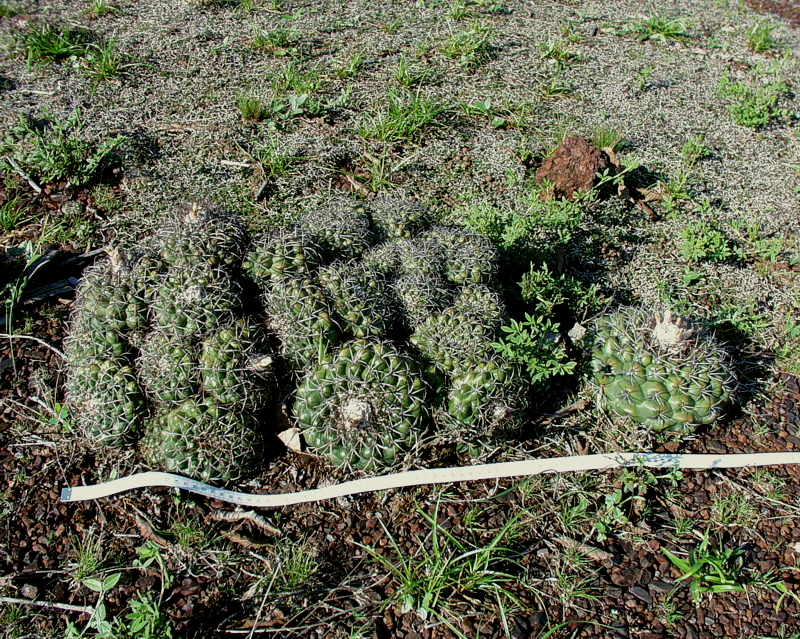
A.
x: 452, y: 104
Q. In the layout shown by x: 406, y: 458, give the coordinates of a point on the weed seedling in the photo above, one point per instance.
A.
x: 751, y: 106
x: 99, y: 8
x: 695, y: 149
x: 404, y: 118
x: 444, y: 569
x: 760, y: 38
x: 105, y: 61
x: 604, y: 137
x: 251, y: 108
x: 704, y: 240
x: 13, y: 214
x: 533, y: 344
x: 56, y: 150
x: 407, y: 74
x: 469, y: 47
x: 47, y: 43
x: 351, y: 67
x: 657, y: 27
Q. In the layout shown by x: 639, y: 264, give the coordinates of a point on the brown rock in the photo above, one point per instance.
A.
x: 572, y: 167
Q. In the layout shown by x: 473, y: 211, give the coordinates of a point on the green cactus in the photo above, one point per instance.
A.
x: 194, y: 300
x: 342, y: 231
x: 204, y: 441
x: 109, y: 406
x: 420, y: 297
x: 452, y: 340
x: 202, y: 236
x: 301, y: 316
x: 482, y: 302
x: 112, y: 295
x: 167, y: 367
x: 399, y: 218
x: 235, y: 368
x: 361, y: 298
x: 362, y: 407
x: 285, y: 253
x: 659, y: 371
x: 486, y: 401
x: 469, y: 257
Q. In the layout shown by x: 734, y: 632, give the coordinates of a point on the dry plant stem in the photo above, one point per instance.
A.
x: 48, y: 604
x: 10, y: 337
x: 575, y: 407
x: 251, y: 516
x: 22, y: 174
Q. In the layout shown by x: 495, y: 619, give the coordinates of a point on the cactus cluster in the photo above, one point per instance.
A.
x: 161, y: 352
x: 382, y: 318
x: 385, y: 324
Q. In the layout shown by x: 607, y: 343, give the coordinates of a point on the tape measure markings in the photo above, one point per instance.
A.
x: 430, y: 476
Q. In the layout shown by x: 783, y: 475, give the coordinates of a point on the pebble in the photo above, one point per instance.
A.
x: 660, y: 586
x: 641, y: 593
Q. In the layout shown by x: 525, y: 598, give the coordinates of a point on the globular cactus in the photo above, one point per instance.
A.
x: 202, y: 236
x: 284, y: 253
x: 301, y: 316
x: 482, y: 302
x: 363, y: 406
x: 451, y: 340
x: 203, y: 440
x: 342, y: 231
x: 112, y: 295
x: 236, y: 368
x: 195, y: 299
x: 486, y: 402
x: 420, y: 297
x: 399, y: 218
x: 469, y: 257
x: 658, y: 370
x: 167, y: 366
x: 110, y: 405
x: 361, y: 298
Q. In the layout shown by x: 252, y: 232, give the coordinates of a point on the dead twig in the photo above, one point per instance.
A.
x: 22, y: 174
x: 236, y: 538
x: 248, y: 515
x: 89, y: 610
x: 9, y: 337
x: 575, y: 407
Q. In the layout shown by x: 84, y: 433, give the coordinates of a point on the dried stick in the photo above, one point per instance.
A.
x: 89, y: 610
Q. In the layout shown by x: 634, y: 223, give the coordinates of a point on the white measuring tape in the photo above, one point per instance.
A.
x: 431, y: 476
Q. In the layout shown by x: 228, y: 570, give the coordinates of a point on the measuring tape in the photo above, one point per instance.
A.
x: 431, y: 476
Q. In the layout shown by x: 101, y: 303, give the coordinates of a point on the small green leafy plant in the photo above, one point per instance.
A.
x: 404, y: 118
x: 712, y: 569
x: 251, y: 108
x: 470, y: 47
x: 695, y: 149
x: 751, y: 106
x: 534, y: 344
x: 545, y: 292
x: 444, y: 570
x: 657, y: 27
x: 48, y: 43
x: 103, y: 628
x: 703, y: 240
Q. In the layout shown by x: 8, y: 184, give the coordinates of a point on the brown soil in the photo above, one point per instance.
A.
x: 789, y: 10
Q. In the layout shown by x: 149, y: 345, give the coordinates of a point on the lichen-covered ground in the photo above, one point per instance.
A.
x: 453, y: 104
